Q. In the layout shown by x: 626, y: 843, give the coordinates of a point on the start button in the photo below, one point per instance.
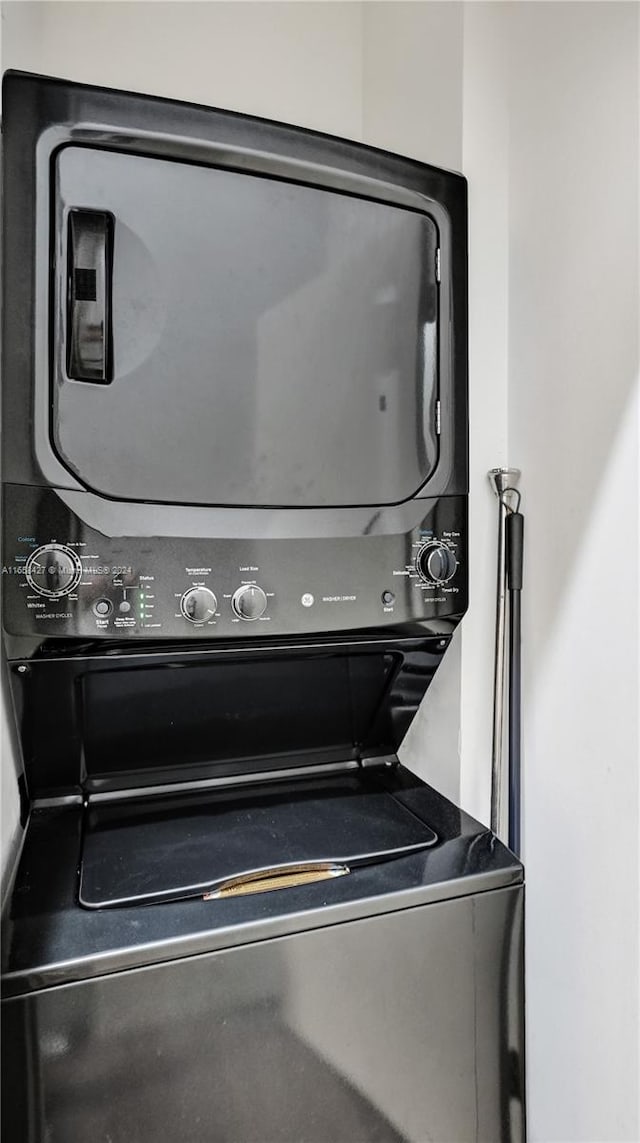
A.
x: 102, y: 608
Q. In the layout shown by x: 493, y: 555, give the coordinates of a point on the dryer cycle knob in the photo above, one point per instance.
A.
x: 436, y: 563
x: 249, y: 602
x: 53, y: 570
x: 198, y: 604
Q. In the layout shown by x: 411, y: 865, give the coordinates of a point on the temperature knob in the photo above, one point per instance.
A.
x: 249, y: 602
x: 436, y: 563
x: 198, y: 604
x: 53, y: 570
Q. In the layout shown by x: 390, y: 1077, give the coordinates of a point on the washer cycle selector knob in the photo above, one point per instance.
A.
x: 53, y: 570
x: 249, y: 602
x: 198, y: 604
x: 436, y: 563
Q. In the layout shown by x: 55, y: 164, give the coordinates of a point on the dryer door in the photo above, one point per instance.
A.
x: 225, y: 338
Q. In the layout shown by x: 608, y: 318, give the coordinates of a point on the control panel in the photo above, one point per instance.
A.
x: 64, y: 579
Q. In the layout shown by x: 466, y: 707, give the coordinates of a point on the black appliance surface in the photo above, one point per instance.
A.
x: 404, y: 573
x: 96, y: 723
x: 168, y: 848
x: 50, y: 940
x: 386, y: 1004
x: 282, y: 309
x: 234, y: 360
x: 234, y: 377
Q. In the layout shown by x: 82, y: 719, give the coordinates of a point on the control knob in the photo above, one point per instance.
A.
x: 198, y: 604
x: 436, y: 563
x: 249, y: 602
x: 53, y: 570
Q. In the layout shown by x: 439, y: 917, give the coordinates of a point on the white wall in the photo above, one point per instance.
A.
x: 412, y: 80
x: 573, y: 428
x: 551, y: 151
x: 302, y: 63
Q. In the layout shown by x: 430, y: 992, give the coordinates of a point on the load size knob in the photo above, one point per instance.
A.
x: 436, y: 563
x: 198, y: 604
x: 53, y: 570
x: 249, y: 602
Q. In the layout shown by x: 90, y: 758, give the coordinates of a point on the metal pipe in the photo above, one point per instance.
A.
x: 515, y: 699
x: 515, y: 563
x: 501, y: 479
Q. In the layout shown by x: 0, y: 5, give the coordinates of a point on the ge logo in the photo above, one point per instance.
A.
x: 307, y: 600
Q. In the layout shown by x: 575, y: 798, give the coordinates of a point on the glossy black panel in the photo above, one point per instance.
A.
x: 391, y: 1028
x: 134, y: 588
x: 49, y: 940
x: 388, y: 1029
x: 170, y: 715
x: 115, y: 721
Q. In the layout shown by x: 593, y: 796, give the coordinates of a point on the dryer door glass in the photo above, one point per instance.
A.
x: 226, y: 338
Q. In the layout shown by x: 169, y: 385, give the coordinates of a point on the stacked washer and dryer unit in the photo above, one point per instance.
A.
x: 235, y: 553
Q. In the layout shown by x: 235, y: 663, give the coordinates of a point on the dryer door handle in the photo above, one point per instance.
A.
x: 89, y: 268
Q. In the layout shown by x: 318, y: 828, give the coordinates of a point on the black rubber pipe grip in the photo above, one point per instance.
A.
x: 515, y: 550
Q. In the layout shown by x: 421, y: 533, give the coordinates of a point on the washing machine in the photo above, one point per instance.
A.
x: 235, y: 552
